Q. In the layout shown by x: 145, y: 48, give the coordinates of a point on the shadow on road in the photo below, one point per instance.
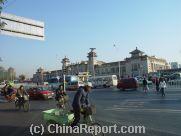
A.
x: 12, y: 130
x: 8, y: 110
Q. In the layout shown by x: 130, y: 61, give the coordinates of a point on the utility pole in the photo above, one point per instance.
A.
x: 2, y: 70
x: 64, y: 72
x: 119, y: 65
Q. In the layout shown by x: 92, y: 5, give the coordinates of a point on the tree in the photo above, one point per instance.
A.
x: 22, y: 78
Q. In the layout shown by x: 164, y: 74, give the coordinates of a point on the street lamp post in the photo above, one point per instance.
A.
x: 1, y: 60
x: 119, y: 69
x: 119, y: 65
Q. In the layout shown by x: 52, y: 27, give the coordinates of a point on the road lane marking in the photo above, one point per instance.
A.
x: 147, y: 110
x: 157, y: 130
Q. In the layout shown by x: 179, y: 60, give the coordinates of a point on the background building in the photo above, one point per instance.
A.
x: 174, y: 65
x: 179, y: 65
x: 138, y: 64
x: 9, y: 74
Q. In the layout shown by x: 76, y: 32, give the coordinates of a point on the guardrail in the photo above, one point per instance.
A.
x: 174, y: 84
x: 170, y: 84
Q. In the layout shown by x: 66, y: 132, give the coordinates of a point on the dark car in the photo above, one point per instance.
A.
x: 40, y: 93
x: 127, y: 83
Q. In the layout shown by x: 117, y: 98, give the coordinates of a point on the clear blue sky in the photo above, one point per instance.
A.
x: 73, y: 26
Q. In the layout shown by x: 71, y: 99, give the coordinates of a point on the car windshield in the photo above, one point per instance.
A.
x: 42, y: 88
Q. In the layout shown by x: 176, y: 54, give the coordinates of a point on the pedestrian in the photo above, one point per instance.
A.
x: 145, y: 85
x: 157, y: 85
x: 162, y: 86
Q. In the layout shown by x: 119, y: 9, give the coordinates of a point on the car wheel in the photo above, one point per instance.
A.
x: 45, y: 97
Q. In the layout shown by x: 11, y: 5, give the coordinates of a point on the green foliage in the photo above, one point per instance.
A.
x: 2, y: 1
x: 22, y: 77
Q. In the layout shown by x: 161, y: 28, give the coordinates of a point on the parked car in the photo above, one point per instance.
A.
x: 127, y: 83
x: 40, y: 93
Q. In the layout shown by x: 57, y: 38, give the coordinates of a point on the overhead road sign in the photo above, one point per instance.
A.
x: 22, y: 27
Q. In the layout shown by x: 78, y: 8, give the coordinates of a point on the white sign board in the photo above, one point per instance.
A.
x: 22, y: 27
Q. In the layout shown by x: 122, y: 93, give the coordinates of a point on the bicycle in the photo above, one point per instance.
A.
x: 87, y: 116
x: 89, y: 121
x: 22, y: 102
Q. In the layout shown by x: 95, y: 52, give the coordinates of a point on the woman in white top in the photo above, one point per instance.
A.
x: 163, y: 85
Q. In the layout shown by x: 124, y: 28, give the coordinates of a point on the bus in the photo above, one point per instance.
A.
x: 72, y: 82
x: 54, y: 82
x: 104, y: 81
x: 175, y: 76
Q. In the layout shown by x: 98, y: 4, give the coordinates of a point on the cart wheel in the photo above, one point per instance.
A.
x: 99, y: 134
x: 49, y: 122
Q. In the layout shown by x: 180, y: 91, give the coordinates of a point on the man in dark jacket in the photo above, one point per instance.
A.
x: 81, y: 100
x: 145, y: 85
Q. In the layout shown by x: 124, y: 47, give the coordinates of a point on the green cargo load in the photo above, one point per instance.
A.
x: 58, y: 116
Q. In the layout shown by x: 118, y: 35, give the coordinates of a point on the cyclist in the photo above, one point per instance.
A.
x: 4, y: 89
x: 21, y: 92
x: 81, y: 100
x: 59, y: 92
x: 60, y: 96
x: 8, y: 90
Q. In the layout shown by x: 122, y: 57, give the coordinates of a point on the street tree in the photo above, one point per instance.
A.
x: 22, y: 78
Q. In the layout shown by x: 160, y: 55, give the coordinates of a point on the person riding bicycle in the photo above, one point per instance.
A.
x: 21, y: 92
x: 8, y: 90
x: 4, y: 89
x: 81, y: 101
x: 60, y: 96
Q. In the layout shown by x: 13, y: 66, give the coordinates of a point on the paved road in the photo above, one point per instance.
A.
x: 161, y: 116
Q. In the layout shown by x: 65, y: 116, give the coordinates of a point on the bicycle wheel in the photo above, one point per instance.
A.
x: 98, y: 125
x: 26, y: 106
x: 17, y: 105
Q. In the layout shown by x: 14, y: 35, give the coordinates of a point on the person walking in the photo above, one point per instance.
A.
x: 162, y: 86
x: 157, y: 85
x: 145, y: 85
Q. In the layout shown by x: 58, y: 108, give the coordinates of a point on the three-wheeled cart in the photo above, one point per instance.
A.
x: 58, y: 116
